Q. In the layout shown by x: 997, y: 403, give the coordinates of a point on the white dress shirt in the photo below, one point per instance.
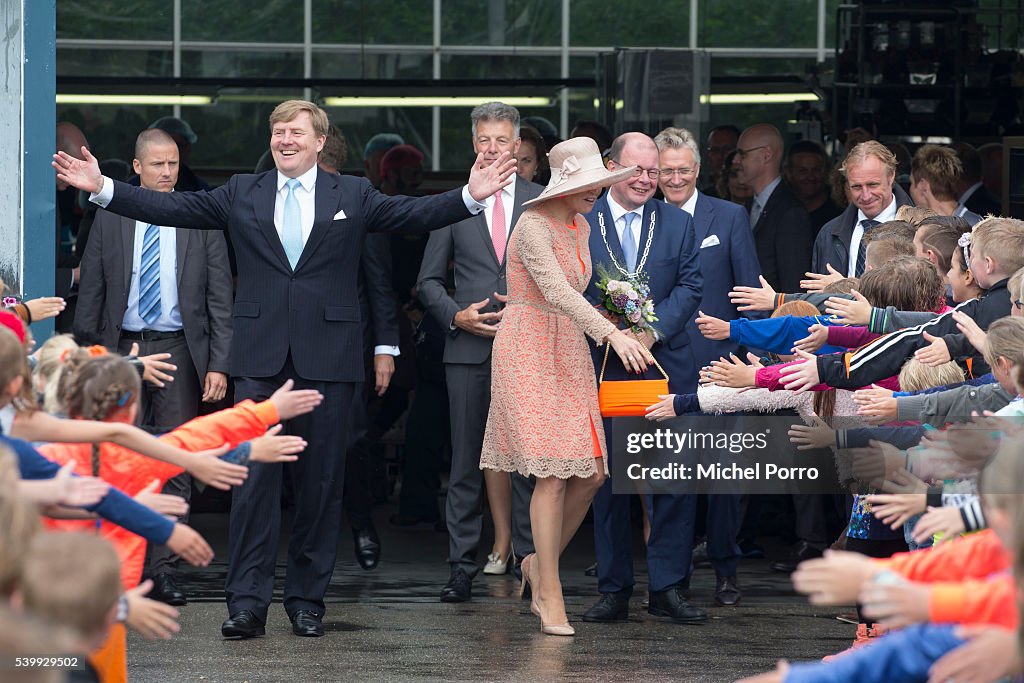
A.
x: 170, y: 315
x: 619, y: 220
x: 305, y: 194
x: 690, y: 205
x: 887, y: 214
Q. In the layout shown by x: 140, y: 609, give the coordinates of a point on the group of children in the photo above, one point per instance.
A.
x: 912, y: 375
x: 79, y: 497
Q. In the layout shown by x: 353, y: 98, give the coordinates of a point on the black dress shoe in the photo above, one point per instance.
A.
x: 367, y: 546
x: 591, y: 570
x: 750, y: 550
x: 611, y: 607
x: 459, y: 587
x: 727, y: 590
x: 241, y: 625
x: 700, y: 555
x: 307, y: 624
x: 166, y: 591
x: 672, y: 603
x: 803, y: 551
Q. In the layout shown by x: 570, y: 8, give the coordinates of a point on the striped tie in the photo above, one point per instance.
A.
x: 149, y: 279
x: 862, y: 252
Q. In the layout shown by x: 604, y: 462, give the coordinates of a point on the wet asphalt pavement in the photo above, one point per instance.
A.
x: 388, y: 625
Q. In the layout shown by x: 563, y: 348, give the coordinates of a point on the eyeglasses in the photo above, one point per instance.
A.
x: 744, y: 152
x: 681, y: 172
x: 652, y: 173
x: 720, y: 149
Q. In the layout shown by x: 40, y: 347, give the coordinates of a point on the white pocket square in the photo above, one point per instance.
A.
x: 710, y: 241
x: 340, y: 216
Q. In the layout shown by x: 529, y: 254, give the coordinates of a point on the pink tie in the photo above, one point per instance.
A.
x: 498, y: 232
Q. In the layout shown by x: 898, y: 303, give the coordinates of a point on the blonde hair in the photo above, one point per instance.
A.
x: 916, y: 376
x: 1004, y: 339
x: 1016, y: 285
x: 1002, y: 240
x: 914, y: 214
x: 19, y: 524
x: 290, y: 109
x: 940, y: 166
x: 73, y: 578
x: 14, y: 364
x: 49, y: 367
x: 872, y: 148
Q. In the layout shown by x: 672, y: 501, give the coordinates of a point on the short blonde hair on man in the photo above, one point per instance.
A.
x: 916, y: 376
x: 941, y: 167
x: 872, y: 148
x: 289, y: 109
x: 1001, y: 239
x: 678, y: 138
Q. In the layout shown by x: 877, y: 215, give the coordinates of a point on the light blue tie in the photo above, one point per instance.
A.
x: 149, y: 278
x: 629, y: 242
x: 291, y: 231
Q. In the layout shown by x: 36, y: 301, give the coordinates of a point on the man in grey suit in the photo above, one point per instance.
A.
x: 169, y: 291
x: 471, y: 315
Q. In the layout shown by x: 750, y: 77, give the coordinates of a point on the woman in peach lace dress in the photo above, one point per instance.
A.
x: 544, y: 418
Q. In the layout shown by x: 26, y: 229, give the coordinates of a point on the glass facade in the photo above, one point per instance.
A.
x: 411, y: 40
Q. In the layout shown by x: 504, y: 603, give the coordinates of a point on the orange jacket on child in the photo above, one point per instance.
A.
x: 969, y: 579
x: 131, y: 472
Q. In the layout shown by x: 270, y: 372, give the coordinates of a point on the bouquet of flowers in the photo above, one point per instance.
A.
x: 629, y: 298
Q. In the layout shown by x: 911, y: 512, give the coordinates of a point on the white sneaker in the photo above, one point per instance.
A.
x: 495, y: 565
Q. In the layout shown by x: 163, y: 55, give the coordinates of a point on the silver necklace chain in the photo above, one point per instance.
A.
x: 615, y: 261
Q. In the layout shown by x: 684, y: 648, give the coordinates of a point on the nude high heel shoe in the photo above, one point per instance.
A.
x: 525, y: 569
x: 557, y: 629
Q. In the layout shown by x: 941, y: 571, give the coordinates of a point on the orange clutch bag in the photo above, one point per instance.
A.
x: 631, y: 397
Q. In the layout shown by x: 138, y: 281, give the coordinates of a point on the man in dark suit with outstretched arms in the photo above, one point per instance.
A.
x: 298, y: 233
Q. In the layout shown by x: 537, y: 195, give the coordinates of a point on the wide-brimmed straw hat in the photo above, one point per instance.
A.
x: 576, y: 166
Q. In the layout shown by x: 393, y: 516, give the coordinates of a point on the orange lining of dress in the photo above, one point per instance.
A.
x: 579, y: 256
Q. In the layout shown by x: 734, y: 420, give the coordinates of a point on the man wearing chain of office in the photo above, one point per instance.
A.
x: 642, y: 241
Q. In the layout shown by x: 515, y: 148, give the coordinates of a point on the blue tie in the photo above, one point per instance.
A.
x: 149, y: 279
x: 291, y: 231
x: 629, y: 242
x: 862, y: 252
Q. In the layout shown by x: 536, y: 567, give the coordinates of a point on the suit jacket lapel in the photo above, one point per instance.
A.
x: 518, y: 198
x: 128, y: 250
x: 326, y: 201
x: 181, y: 239
x: 485, y: 234
x: 264, y: 197
x: 766, y: 209
x: 703, y: 219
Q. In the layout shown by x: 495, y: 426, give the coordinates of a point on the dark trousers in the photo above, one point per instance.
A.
x: 358, y: 496
x: 318, y: 477
x: 723, y: 525
x: 469, y: 394
x: 427, y: 430
x: 162, y: 409
x: 669, y: 548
